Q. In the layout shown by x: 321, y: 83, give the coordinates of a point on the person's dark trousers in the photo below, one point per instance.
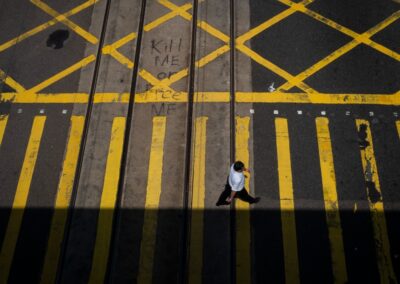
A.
x: 224, y: 195
x: 242, y: 195
x: 245, y: 196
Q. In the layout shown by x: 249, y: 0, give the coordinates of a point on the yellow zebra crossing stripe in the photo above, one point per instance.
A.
x: 242, y: 208
x: 107, y: 203
x: 3, y: 124
x: 153, y: 193
x: 63, y: 198
x: 376, y: 205
x: 21, y: 197
x: 287, y: 201
x: 199, y: 188
x: 331, y: 200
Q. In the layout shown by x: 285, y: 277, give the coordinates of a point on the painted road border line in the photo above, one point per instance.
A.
x: 242, y: 209
x: 198, y: 202
x: 370, y: 169
x: 204, y: 97
x: 3, y: 125
x: 153, y: 194
x: 398, y: 127
x: 107, y: 203
x: 62, y: 201
x: 287, y: 201
x: 331, y: 200
x: 20, y: 198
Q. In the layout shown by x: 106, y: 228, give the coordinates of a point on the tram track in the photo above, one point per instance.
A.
x: 88, y: 115
x: 186, y: 216
x: 124, y: 158
x: 232, y: 134
x: 188, y: 155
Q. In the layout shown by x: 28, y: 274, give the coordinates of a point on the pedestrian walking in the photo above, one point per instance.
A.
x: 235, y: 186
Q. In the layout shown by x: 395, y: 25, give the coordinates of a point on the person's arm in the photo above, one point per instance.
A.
x: 230, y: 198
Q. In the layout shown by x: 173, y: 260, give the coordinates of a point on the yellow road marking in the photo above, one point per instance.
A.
x: 46, y: 8
x: 3, y: 124
x: 111, y: 98
x: 121, y: 42
x: 29, y: 98
x: 318, y: 98
x: 201, y: 24
x: 176, y: 10
x: 112, y: 48
x: 271, y: 66
x: 331, y: 200
x: 154, y: 96
x: 370, y: 169
x: 20, y: 198
x: 165, y: 83
x: 46, y: 25
x: 63, y: 74
x: 398, y: 127
x: 287, y: 201
x: 212, y: 56
x: 357, y: 39
x: 216, y: 97
x: 243, y: 241
x: 267, y: 24
x: 162, y: 85
x: 107, y: 204
x: 63, y: 198
x: 11, y: 82
x: 199, y: 172
x: 153, y: 193
x: 118, y: 56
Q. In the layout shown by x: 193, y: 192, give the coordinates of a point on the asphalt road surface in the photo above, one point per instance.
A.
x: 119, y: 120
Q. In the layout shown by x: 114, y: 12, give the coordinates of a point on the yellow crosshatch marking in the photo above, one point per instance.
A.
x: 46, y: 8
x: 48, y: 24
x: 161, y: 88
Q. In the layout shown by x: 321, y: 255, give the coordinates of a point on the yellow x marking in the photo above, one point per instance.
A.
x: 240, y: 45
x: 357, y: 40
x: 112, y: 49
x: 46, y: 8
x: 46, y: 25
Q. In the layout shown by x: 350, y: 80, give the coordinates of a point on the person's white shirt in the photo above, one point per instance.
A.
x: 236, y: 180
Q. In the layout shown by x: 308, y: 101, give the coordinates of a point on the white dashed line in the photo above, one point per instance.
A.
x: 371, y: 113
x: 347, y: 112
x: 323, y: 112
x: 19, y: 110
x: 41, y: 111
x: 299, y: 112
x: 64, y: 111
x: 395, y: 114
x: 251, y: 111
x: 276, y: 112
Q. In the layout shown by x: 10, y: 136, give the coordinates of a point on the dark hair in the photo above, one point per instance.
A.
x: 238, y: 166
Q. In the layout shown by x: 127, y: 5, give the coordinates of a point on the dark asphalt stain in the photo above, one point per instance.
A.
x: 362, y: 137
x: 57, y: 38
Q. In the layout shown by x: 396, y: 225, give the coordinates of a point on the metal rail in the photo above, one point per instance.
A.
x: 185, y: 240
x: 128, y: 132
x: 88, y: 115
x: 232, y: 135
